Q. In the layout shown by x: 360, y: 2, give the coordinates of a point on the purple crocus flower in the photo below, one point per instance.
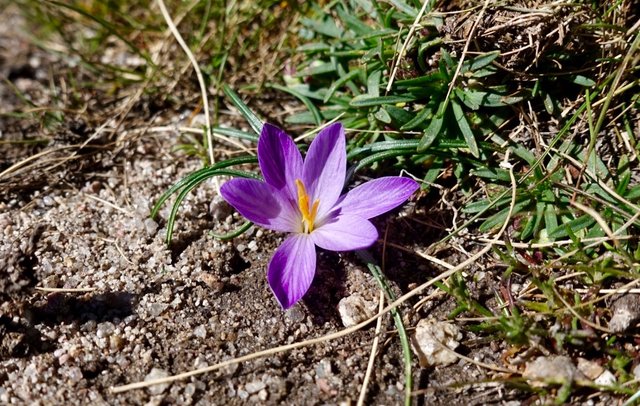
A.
x: 302, y: 197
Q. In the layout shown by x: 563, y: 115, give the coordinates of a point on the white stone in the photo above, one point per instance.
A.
x: 636, y: 372
x: 355, y: 309
x: 590, y: 369
x: 552, y: 369
x: 157, y: 373
x: 254, y: 387
x: 429, y: 340
x: 606, y: 379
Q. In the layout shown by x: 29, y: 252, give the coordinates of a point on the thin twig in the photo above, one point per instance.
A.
x: 465, y: 49
x: 196, y: 68
x: 415, y: 25
x: 372, y: 357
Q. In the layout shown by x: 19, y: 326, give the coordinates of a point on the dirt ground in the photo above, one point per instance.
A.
x: 78, y: 219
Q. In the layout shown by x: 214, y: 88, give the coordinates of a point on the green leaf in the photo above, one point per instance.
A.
x: 494, y: 174
x: 352, y: 23
x: 252, y: 119
x: 482, y: 60
x: 550, y: 217
x: 373, y: 83
x: 325, y: 27
x: 572, y: 227
x: 421, y: 80
x: 529, y: 226
x: 366, y: 100
x: 499, y: 218
x: 582, y: 81
x: 233, y: 234
x: 467, y: 133
x: 624, y: 175
x: 633, y: 193
x: 192, y: 181
x: 339, y: 82
x: 383, y: 116
x: 423, y: 114
x: 474, y: 99
x: 180, y: 184
x: 470, y: 98
x: 379, y: 156
x: 317, y: 69
x: 484, y: 204
x: 431, y: 133
x: 313, y: 47
x: 232, y: 132
x: 399, y: 116
x: 317, y: 117
x: 404, y: 7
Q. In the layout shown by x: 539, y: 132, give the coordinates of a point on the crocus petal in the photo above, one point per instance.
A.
x: 292, y: 268
x: 325, y: 167
x: 345, y: 233
x: 260, y: 203
x: 377, y: 196
x: 279, y: 158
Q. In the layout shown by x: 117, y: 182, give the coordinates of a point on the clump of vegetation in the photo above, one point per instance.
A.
x: 534, y: 110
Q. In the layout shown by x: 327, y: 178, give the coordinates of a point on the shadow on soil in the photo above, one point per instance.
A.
x: 61, y: 308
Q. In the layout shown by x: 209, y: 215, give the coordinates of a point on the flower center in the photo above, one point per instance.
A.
x: 308, y: 212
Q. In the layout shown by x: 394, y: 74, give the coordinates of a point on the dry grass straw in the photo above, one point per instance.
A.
x: 196, y: 68
x: 372, y: 357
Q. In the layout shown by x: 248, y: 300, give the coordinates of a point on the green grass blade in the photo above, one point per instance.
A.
x: 233, y: 234
x: 317, y: 117
x: 463, y: 124
x: 367, y: 101
x: 252, y: 119
x: 192, y: 184
x: 181, y: 183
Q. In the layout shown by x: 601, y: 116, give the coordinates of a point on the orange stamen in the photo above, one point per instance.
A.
x: 308, y: 213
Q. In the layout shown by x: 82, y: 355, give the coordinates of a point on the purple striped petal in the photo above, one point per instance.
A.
x: 291, y: 269
x: 279, y: 158
x: 377, y: 196
x: 325, y: 167
x: 345, y: 233
x: 261, y: 203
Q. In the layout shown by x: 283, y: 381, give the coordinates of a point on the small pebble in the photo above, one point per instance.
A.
x: 74, y: 374
x: 626, y: 312
x: 590, y: 369
x: 263, y: 395
x: 552, y: 369
x: 354, y: 310
x: 606, y: 379
x: 150, y: 226
x: 430, y: 337
x: 254, y: 387
x: 105, y: 329
x: 200, y: 331
x: 156, y: 309
x: 156, y: 373
x: 295, y: 315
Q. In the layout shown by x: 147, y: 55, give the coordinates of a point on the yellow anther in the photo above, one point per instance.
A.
x: 308, y: 213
